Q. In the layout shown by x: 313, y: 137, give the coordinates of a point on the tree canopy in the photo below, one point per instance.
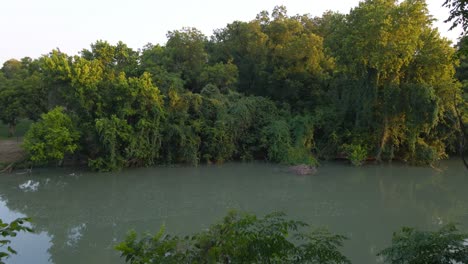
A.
x: 239, y: 238
x: 378, y: 83
x: 246, y: 238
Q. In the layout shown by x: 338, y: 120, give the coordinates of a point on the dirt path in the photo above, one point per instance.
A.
x: 10, y: 150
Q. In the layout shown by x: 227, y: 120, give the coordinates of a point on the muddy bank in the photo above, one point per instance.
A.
x: 11, y: 151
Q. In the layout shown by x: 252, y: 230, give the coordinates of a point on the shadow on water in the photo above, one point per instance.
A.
x: 80, y: 216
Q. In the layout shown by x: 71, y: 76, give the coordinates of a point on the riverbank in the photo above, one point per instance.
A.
x: 11, y: 151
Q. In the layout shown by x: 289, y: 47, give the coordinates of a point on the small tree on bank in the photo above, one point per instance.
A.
x: 51, y: 138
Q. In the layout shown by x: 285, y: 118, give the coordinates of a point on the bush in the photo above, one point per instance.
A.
x: 51, y: 137
x: 357, y: 154
x: 239, y: 238
x: 427, y: 154
x: 410, y: 246
x: 276, y: 140
x: 300, y: 155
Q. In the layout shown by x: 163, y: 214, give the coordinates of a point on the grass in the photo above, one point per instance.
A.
x: 21, y: 128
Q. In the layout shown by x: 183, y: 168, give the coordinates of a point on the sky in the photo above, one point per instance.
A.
x: 33, y: 28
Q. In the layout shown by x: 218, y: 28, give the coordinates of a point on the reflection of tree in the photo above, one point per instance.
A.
x: 65, y: 203
x: 101, y: 208
x: 438, y: 196
x: 62, y: 205
x: 85, y: 216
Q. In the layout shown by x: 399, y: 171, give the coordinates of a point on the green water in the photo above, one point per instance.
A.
x: 80, y: 216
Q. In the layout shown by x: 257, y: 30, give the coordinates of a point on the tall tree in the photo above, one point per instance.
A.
x: 277, y: 56
x: 388, y: 48
x: 22, y: 93
x: 458, y: 13
x: 186, y: 55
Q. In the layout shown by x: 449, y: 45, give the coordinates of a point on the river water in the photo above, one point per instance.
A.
x: 80, y: 216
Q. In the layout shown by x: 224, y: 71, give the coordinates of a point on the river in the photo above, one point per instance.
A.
x: 80, y: 216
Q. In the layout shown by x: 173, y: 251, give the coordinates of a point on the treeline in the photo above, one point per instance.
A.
x: 377, y: 83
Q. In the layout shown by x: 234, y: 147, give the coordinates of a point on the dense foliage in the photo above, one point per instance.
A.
x: 239, y: 238
x: 8, y: 230
x: 462, y: 107
x: 244, y: 238
x: 378, y: 83
x: 51, y: 137
x: 444, y: 246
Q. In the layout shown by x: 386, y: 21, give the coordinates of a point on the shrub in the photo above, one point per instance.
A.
x: 51, y: 137
x: 239, y: 238
x: 428, y: 154
x: 276, y: 140
x: 357, y: 154
x: 300, y: 155
x: 410, y: 246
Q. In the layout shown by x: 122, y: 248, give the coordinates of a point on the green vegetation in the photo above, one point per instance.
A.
x: 461, y: 109
x: 357, y: 154
x: 410, y: 246
x: 8, y: 230
x: 244, y: 238
x: 51, y: 137
x: 378, y: 83
x: 21, y: 128
x: 239, y: 238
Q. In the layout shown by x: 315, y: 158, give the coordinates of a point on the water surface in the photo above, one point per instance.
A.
x: 80, y: 216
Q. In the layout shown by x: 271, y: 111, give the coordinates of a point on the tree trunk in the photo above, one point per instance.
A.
x: 383, y: 140
x: 11, y: 129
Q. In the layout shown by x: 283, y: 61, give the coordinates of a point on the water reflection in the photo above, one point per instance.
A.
x: 81, y: 216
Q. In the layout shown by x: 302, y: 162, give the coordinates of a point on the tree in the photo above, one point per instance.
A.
x: 22, y: 93
x: 52, y: 137
x: 278, y: 56
x: 386, y: 58
x: 462, y: 106
x: 458, y: 13
x: 118, y: 58
x: 152, y: 60
x: 410, y: 246
x: 34, y: 96
x: 222, y: 75
x: 186, y: 55
x: 239, y: 238
x: 377, y: 83
x: 244, y: 44
x: 11, y: 105
x: 12, y: 68
x: 8, y: 230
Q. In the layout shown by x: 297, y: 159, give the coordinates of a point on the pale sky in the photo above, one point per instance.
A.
x: 35, y: 27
